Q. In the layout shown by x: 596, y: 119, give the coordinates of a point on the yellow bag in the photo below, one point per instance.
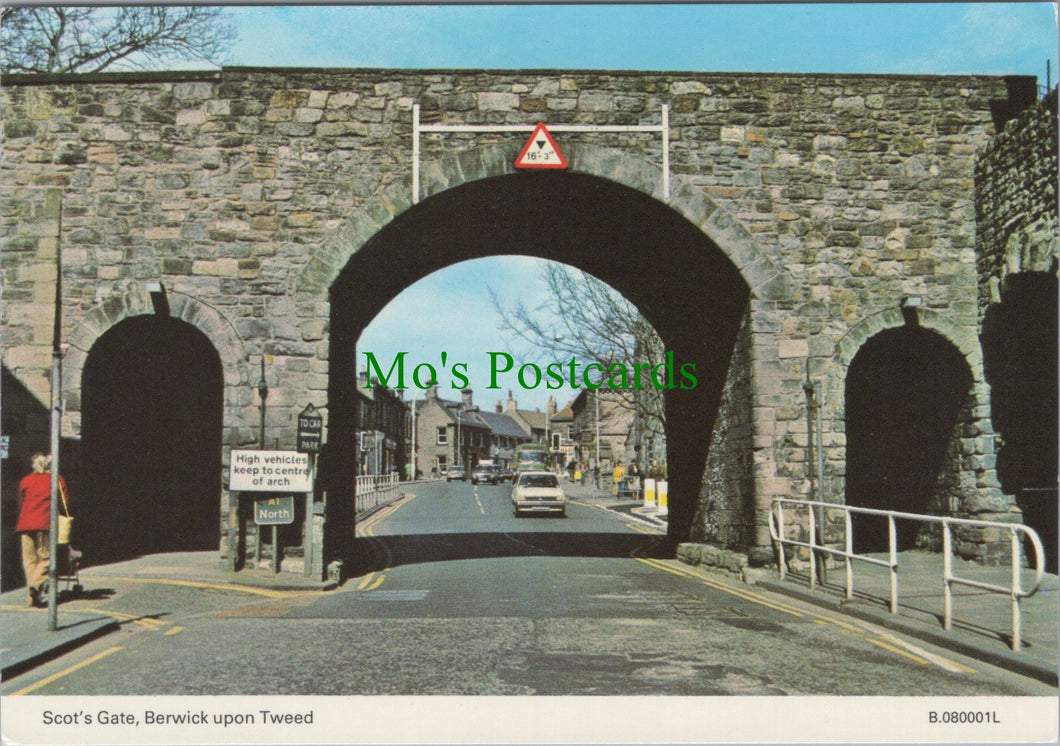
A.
x: 66, y: 521
x: 66, y: 526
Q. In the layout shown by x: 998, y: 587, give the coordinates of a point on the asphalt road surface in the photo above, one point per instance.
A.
x: 459, y: 597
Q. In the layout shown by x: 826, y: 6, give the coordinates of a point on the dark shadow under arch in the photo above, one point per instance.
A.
x: 679, y: 279
x: 152, y: 410
x: 905, y: 392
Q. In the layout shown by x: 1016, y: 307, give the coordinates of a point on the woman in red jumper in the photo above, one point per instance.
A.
x: 34, y: 523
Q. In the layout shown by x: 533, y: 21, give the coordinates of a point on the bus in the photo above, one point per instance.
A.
x: 530, y: 457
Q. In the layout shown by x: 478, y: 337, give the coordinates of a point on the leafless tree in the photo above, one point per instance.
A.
x: 39, y: 39
x: 585, y: 318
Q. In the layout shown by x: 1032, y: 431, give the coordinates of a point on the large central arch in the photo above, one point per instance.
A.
x: 682, y: 282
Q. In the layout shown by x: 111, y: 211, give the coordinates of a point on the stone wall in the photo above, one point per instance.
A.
x: 246, y: 191
x: 1016, y: 199
x: 1018, y: 245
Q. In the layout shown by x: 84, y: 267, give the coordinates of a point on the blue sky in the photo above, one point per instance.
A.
x: 932, y: 38
x: 451, y: 310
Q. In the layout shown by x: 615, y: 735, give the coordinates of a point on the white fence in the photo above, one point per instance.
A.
x: 1015, y: 531
x: 376, y: 490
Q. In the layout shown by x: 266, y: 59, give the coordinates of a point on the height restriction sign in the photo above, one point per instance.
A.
x: 540, y: 151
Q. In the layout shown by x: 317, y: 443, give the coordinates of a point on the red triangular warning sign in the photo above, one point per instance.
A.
x: 540, y: 151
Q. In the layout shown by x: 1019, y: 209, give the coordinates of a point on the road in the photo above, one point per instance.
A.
x: 460, y: 597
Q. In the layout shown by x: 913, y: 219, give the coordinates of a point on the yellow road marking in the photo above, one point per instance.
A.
x: 371, y: 582
x: 643, y: 529
x: 741, y: 594
x: 174, y: 631
x: 66, y: 671
x: 143, y: 621
x: 197, y: 584
x: 899, y: 651
x: 376, y: 584
x: 367, y: 528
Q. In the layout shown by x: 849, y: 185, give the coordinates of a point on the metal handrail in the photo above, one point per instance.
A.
x: 374, y: 490
x: 1014, y: 590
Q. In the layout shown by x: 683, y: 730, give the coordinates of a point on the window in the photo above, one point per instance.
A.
x: 442, y: 436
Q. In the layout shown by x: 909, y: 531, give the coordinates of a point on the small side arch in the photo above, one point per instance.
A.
x: 137, y: 301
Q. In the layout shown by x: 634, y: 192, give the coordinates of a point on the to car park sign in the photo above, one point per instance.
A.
x: 310, y: 427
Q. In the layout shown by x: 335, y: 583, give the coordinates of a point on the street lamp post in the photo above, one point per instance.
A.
x: 263, y: 394
x: 413, y: 457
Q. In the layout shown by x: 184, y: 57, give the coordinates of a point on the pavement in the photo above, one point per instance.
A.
x: 981, y: 628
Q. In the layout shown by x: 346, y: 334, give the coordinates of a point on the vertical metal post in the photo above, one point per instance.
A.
x: 813, y: 550
x: 275, y: 548
x: 849, y: 526
x: 819, y: 450
x: 666, y: 150
x: 596, y: 398
x: 415, y: 153
x: 56, y: 433
x: 782, y: 562
x: 307, y: 532
x: 892, y: 545
x: 1016, y: 618
x: 263, y: 393
x: 810, y: 389
x: 947, y: 575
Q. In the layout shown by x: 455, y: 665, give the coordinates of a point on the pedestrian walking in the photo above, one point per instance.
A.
x: 34, y: 524
x: 616, y: 477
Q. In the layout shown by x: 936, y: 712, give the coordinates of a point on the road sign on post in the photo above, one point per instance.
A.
x: 274, y: 511
x: 310, y: 428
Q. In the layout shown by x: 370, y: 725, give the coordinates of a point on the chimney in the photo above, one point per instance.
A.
x: 465, y: 398
x: 511, y: 402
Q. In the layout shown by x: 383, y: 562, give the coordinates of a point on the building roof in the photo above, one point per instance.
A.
x: 503, y: 425
x: 535, y: 419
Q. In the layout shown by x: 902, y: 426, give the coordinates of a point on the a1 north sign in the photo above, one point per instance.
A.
x: 274, y: 511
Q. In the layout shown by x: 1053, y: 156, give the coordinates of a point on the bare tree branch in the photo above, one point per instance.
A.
x: 38, y: 39
x: 587, y: 319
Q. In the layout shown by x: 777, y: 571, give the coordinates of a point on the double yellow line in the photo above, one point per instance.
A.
x: 867, y: 632
x: 367, y: 528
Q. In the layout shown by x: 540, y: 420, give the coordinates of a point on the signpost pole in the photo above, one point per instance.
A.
x: 275, y: 550
x: 307, y: 532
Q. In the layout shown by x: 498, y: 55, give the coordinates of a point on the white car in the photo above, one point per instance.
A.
x: 537, y: 492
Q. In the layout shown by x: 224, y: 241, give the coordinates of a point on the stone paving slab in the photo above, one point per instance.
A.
x: 26, y: 641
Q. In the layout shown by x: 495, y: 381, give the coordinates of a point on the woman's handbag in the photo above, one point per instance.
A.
x: 66, y: 521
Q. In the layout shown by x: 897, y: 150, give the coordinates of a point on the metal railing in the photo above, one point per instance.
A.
x: 376, y: 490
x: 1014, y: 590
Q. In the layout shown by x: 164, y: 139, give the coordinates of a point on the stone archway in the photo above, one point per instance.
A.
x: 210, y: 335
x: 733, y: 249
x: 970, y: 485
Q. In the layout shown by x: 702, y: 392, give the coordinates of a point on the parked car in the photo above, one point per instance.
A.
x: 486, y: 473
x: 456, y: 472
x: 537, y: 492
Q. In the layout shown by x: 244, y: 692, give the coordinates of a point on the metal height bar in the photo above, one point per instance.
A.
x: 418, y: 127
